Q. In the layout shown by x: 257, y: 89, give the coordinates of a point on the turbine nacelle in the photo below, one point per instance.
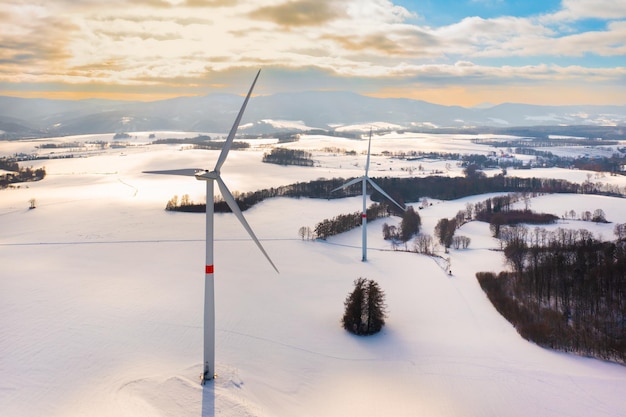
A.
x: 207, y: 175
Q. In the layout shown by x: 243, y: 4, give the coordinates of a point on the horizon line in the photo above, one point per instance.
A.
x: 151, y: 98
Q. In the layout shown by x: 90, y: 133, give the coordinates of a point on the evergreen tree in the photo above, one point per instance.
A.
x: 410, y: 225
x: 353, y: 317
x: 376, y: 308
x: 365, y: 308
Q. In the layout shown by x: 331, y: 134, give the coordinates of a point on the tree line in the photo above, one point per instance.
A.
x: 566, y: 291
x: 563, y: 295
x: 409, y: 225
x: 413, y: 189
x: 19, y: 174
x: 185, y: 204
x: 201, y: 142
x: 284, y: 156
x: 452, y: 188
x: 345, y: 222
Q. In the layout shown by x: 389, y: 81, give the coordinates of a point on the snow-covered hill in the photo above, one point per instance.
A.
x: 101, y: 301
x: 301, y: 111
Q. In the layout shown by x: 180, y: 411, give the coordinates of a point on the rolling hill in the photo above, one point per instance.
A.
x: 20, y: 117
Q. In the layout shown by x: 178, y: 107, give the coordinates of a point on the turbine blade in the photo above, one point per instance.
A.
x: 230, y: 200
x: 369, y: 146
x: 349, y: 183
x: 187, y: 172
x: 380, y: 190
x: 233, y: 130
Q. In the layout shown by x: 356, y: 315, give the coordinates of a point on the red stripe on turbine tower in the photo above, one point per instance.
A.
x: 208, y: 269
x: 364, y: 215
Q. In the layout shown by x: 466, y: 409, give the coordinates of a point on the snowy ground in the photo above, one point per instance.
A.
x: 101, y: 296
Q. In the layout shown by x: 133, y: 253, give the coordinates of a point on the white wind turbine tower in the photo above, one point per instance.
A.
x: 364, y: 180
x: 209, y: 290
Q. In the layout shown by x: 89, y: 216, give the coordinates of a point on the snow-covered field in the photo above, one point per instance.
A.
x: 101, y: 297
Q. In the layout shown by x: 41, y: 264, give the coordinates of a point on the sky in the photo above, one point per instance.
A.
x: 452, y: 52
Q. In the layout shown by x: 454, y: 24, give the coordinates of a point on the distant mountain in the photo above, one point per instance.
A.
x: 12, y: 127
x: 20, y: 117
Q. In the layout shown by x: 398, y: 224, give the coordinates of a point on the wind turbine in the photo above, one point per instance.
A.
x: 210, y: 177
x: 364, y: 180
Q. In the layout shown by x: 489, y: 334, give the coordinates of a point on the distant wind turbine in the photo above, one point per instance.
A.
x: 210, y: 177
x: 364, y: 180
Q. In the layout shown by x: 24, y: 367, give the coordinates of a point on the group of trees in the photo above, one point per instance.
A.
x: 63, y: 145
x: 19, y: 174
x: 566, y: 290
x: 497, y: 211
x: 201, y: 142
x: 527, y: 146
x: 451, y: 188
x: 365, y: 309
x: 320, y: 188
x: 344, y: 222
x: 284, y: 156
x: 424, y: 243
x: 409, y: 226
x: 185, y: 204
x: 611, y: 164
x: 412, y: 189
x: 444, y: 231
x: 216, y: 145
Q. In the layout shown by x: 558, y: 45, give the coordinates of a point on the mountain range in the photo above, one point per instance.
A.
x: 30, y: 117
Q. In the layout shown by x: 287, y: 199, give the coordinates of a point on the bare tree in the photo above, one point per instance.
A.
x: 424, y: 244
x: 460, y: 242
x: 598, y: 216
x: 469, y: 211
x: 304, y: 232
x: 586, y: 216
x: 527, y: 201
x: 172, y: 203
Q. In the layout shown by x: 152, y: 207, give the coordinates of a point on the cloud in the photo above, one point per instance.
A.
x: 590, y: 9
x: 300, y: 12
x: 85, y: 5
x: 503, y: 36
x: 367, y: 45
x: 211, y: 3
x: 31, y: 38
x: 506, y: 37
x: 405, y: 41
x: 611, y: 42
